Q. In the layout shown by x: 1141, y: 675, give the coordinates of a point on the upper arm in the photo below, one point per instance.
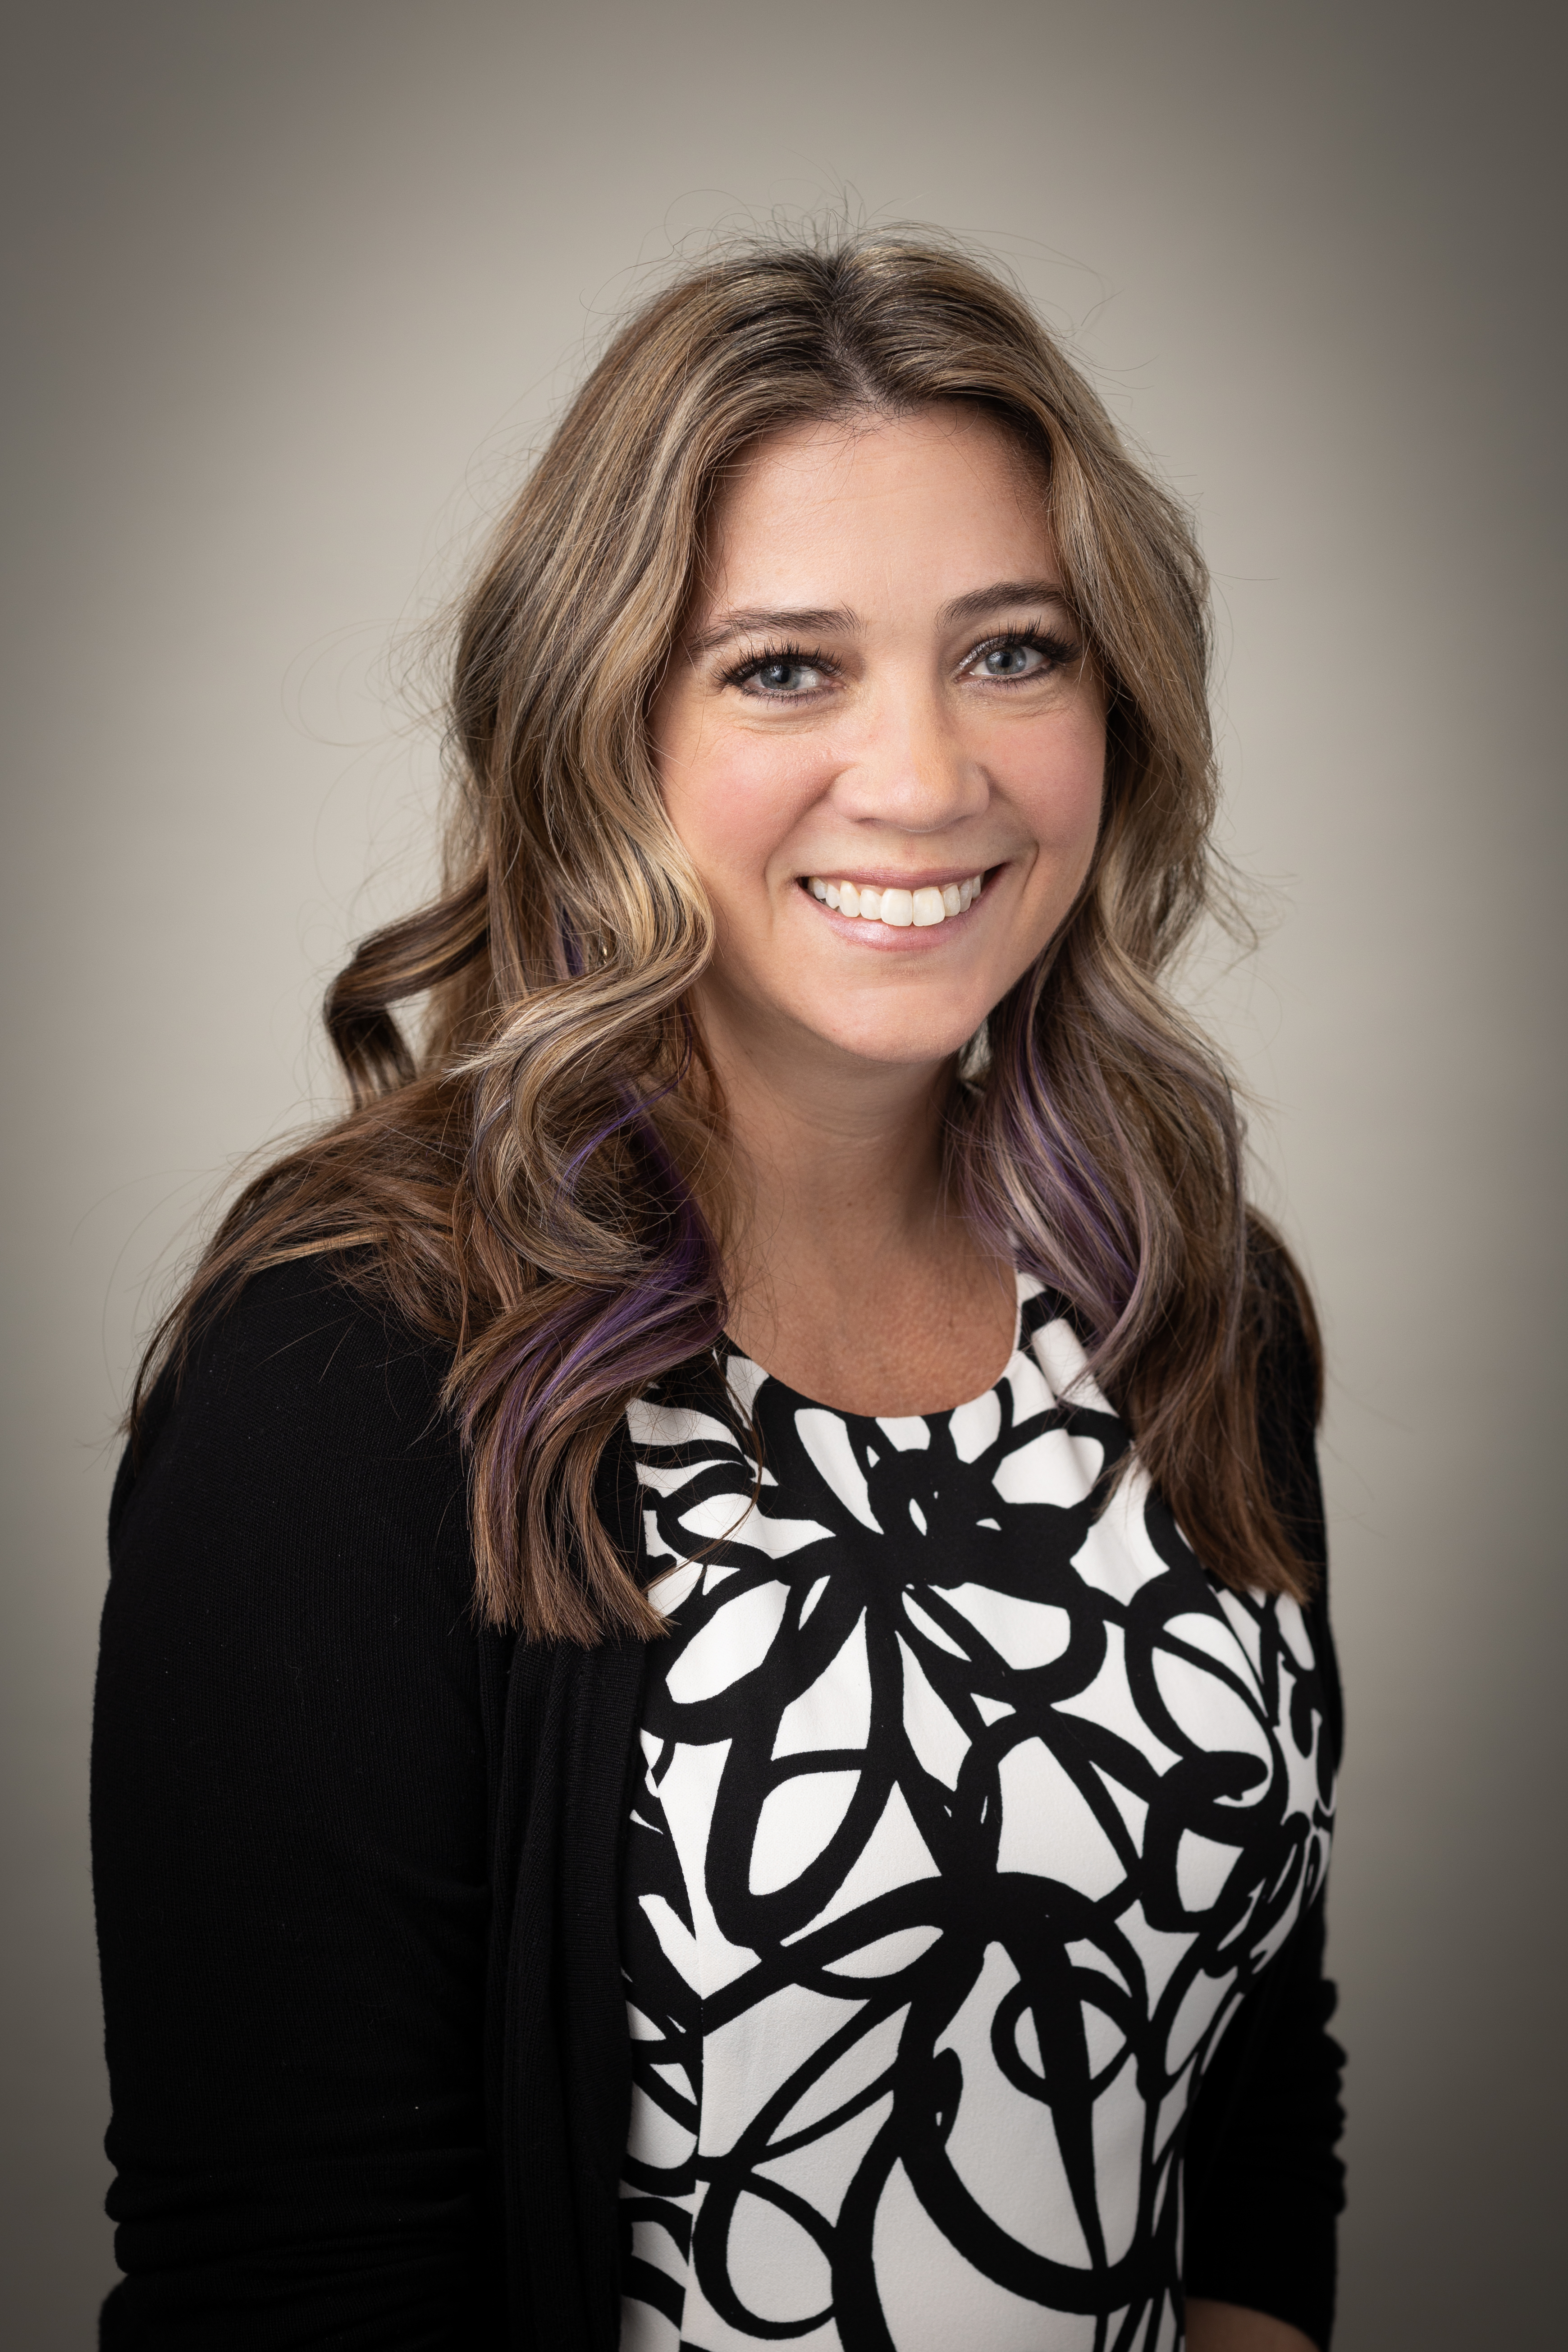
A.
x: 1265, y: 2184
x: 290, y: 1848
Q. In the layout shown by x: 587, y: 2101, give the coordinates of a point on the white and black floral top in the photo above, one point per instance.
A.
x: 967, y: 1819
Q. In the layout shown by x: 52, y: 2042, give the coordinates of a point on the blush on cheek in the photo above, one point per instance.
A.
x: 1068, y: 811
x: 733, y: 802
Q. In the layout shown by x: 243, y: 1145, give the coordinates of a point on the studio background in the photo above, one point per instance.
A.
x: 296, y: 287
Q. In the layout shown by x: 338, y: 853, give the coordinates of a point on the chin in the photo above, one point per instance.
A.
x: 901, y: 1041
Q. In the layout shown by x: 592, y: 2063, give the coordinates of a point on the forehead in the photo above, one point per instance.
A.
x: 946, y: 491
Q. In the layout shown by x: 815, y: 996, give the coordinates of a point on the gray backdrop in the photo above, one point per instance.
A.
x: 299, y: 283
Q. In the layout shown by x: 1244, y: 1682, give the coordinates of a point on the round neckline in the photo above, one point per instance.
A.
x: 875, y: 1420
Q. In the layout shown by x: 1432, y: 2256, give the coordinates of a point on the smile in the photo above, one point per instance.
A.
x: 901, y: 909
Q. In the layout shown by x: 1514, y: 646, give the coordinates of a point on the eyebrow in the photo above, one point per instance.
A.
x: 759, y: 621
x: 752, y: 621
x: 1005, y: 592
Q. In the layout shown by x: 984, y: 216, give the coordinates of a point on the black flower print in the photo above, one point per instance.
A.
x: 967, y: 1819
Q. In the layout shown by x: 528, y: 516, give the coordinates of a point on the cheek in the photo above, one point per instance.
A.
x: 1083, y: 812
x: 1065, y: 792
x: 734, y: 800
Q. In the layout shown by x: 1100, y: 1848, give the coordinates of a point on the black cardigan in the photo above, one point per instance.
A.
x: 356, y: 1859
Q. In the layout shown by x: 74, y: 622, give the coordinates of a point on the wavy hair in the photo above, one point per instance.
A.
x: 526, y: 1185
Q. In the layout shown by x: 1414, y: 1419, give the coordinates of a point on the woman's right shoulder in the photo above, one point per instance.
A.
x: 304, y: 1419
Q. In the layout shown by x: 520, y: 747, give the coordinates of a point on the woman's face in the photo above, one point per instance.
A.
x: 881, y: 691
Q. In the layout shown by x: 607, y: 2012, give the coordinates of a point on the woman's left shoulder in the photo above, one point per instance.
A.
x: 1290, y: 1341
x: 1290, y: 1397
x: 1288, y: 1353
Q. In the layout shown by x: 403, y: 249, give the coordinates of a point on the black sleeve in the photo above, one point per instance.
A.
x: 1264, y: 2182
x: 289, y: 1841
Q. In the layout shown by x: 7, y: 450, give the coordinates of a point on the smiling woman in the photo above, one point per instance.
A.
x: 716, y: 1720
x: 944, y: 733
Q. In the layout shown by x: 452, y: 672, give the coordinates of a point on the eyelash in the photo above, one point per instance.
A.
x: 1056, y: 648
x: 748, y: 670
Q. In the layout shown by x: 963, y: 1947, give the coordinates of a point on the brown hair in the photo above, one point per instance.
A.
x: 524, y: 1187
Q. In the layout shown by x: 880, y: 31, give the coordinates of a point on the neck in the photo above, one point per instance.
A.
x: 845, y: 1260
x: 828, y: 1150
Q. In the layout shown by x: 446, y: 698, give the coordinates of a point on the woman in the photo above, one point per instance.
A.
x: 717, y: 1721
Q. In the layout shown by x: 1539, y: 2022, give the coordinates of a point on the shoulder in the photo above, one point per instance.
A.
x: 308, y: 1342
x: 1289, y: 1393
x: 1288, y: 1376
x: 1291, y: 1348
x: 307, y: 1414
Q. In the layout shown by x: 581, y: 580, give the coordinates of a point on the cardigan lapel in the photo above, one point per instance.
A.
x: 559, y: 2039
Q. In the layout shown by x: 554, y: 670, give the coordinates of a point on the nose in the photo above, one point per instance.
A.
x: 910, y: 768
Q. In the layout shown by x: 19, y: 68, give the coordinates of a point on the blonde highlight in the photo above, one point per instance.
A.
x: 538, y: 1184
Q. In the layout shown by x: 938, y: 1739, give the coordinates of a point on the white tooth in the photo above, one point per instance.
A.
x: 898, y: 909
x: 818, y: 887
x: 831, y: 894
x: 979, y: 883
x: 951, y: 898
x: 929, y: 909
x: 965, y: 896
x: 849, y: 899
x: 872, y: 904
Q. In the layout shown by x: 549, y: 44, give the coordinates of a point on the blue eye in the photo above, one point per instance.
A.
x: 1013, y: 661
x: 789, y: 674
x: 785, y: 677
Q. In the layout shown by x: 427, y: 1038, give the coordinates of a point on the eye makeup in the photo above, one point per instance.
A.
x: 745, y: 673
x: 1058, y: 652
